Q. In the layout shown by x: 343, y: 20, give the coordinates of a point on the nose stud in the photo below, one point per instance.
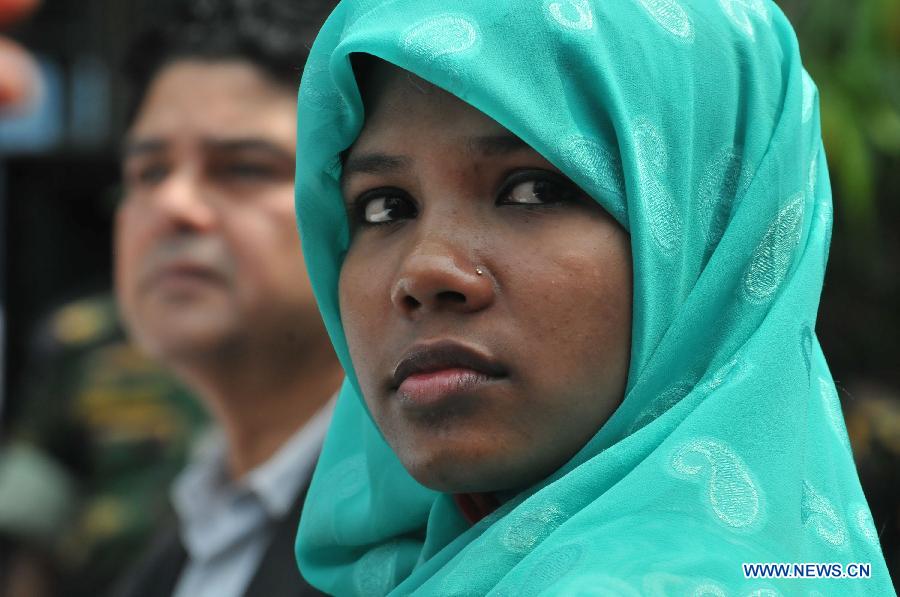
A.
x: 479, y: 271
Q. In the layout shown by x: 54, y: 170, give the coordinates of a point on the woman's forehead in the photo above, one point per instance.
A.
x: 374, y: 76
x: 391, y: 90
x: 398, y: 102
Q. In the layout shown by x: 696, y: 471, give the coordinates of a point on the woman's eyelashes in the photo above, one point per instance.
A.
x: 528, y: 188
x: 383, y: 206
x: 538, y: 187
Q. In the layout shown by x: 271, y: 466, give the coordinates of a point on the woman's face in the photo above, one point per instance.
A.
x: 485, y: 298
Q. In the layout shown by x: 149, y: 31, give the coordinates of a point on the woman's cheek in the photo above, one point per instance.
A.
x: 347, y: 302
x: 359, y: 302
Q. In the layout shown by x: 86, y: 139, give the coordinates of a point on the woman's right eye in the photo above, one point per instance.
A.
x: 384, y: 207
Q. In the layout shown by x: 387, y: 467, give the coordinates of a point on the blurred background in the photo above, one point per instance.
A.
x: 59, y: 167
x: 59, y: 184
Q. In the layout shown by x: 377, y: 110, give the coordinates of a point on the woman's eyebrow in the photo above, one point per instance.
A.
x: 375, y: 163
x: 382, y: 163
x: 500, y: 144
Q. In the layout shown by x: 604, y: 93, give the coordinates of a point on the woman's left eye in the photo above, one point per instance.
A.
x: 538, y: 190
x: 384, y: 206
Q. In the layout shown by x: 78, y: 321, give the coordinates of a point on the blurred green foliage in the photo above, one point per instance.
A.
x: 852, y: 50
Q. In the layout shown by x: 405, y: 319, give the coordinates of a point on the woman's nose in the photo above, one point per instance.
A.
x: 434, y: 279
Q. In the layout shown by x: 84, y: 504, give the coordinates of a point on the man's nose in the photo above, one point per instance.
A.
x: 440, y: 275
x: 184, y: 201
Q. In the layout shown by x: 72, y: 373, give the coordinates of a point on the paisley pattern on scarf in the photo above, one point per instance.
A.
x: 773, y: 256
x: 725, y: 180
x: 731, y: 492
x: 603, y: 169
x: 439, y: 36
x: 818, y: 513
x: 741, y: 11
x: 653, y: 162
x: 583, y: 16
x: 831, y: 404
x: 671, y: 16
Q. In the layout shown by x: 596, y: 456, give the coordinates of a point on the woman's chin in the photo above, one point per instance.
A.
x: 451, y: 471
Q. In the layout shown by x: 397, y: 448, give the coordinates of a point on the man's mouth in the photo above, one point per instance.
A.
x: 182, y: 273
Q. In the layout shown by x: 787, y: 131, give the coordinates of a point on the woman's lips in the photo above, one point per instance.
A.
x: 433, y: 371
x: 425, y: 389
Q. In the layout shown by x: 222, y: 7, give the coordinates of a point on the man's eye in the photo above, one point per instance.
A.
x: 150, y: 174
x: 246, y: 171
x: 381, y: 208
x: 538, y: 189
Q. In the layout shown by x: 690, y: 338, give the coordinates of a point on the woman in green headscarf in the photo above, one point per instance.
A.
x: 570, y: 255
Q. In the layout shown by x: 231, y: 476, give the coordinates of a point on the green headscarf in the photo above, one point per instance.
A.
x: 694, y: 124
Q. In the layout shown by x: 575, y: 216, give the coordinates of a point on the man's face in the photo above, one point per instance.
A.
x: 207, y: 253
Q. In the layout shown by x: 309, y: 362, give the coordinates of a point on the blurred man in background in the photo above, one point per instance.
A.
x: 101, y: 431
x: 211, y: 282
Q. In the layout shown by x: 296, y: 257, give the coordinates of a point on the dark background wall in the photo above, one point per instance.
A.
x: 59, y: 169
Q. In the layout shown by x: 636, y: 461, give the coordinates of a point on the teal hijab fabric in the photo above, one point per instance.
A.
x: 694, y: 124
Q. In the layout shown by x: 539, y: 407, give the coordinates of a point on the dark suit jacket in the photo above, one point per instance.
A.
x: 277, y: 576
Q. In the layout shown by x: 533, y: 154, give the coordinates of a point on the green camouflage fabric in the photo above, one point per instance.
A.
x: 97, y: 417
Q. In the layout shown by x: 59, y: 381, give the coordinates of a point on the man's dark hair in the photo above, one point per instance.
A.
x: 273, y: 35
